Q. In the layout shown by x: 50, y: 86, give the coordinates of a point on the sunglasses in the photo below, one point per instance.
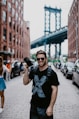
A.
x: 40, y: 58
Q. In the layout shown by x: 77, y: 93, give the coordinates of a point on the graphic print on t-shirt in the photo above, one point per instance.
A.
x: 38, y: 86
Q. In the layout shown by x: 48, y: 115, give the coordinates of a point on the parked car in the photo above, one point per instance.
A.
x: 77, y: 62
x: 15, y: 69
x: 62, y: 67
x: 69, y: 67
x: 75, y: 78
x: 57, y: 64
x: 77, y: 65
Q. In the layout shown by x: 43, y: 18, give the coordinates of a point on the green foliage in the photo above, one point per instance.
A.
x: 33, y: 56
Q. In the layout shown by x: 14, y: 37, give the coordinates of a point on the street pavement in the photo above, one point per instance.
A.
x: 17, y: 99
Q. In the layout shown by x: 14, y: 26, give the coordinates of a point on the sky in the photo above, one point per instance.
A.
x: 34, y: 13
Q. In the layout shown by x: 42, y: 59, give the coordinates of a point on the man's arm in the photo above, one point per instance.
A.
x: 49, y: 110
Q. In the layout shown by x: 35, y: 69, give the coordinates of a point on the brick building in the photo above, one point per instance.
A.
x: 73, y: 31
x: 13, y: 29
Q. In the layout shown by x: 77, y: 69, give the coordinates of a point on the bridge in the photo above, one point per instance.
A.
x: 56, y: 37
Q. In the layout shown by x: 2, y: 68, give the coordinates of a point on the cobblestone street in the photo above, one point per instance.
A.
x: 67, y: 104
x: 17, y: 99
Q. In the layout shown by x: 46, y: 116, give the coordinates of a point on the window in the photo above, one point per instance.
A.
x: 13, y: 1
x: 17, y: 28
x: 4, y: 16
x: 4, y: 2
x: 13, y: 37
x: 16, y: 4
x: 10, y: 21
x: 16, y: 40
x: 9, y: 49
x: 13, y: 51
x: 22, y: 4
x: 19, y: 20
x: 13, y: 12
x: 4, y: 33
x: 10, y: 37
x: 9, y: 6
x: 4, y: 48
x: 16, y: 16
x: 13, y: 25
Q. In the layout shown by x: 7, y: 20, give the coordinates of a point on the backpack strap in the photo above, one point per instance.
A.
x: 49, y: 71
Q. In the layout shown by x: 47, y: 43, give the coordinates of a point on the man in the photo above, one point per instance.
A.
x: 45, y: 88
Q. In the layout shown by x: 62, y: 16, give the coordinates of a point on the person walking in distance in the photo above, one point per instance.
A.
x: 2, y: 83
x: 45, y: 87
x: 8, y: 65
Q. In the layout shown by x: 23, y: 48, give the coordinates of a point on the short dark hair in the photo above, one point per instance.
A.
x: 41, y: 52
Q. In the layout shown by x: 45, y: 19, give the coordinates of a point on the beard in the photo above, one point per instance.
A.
x: 43, y: 64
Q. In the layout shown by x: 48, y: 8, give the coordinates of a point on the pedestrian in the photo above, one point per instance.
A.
x: 2, y: 83
x: 9, y: 66
x: 45, y: 87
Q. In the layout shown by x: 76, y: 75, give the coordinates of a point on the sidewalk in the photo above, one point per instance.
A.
x: 17, y: 100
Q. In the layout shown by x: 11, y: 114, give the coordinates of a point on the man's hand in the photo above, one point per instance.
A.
x: 25, y: 66
x: 49, y: 111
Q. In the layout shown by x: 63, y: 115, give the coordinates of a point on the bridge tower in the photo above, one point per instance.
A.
x: 47, y: 25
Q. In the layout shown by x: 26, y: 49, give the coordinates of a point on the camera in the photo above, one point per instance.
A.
x: 28, y: 61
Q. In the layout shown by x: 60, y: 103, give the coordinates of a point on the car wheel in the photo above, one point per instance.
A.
x: 71, y: 77
x: 63, y: 73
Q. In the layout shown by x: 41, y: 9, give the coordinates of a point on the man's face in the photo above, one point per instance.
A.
x: 42, y: 60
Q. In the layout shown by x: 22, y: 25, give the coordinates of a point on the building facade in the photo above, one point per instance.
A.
x: 12, y: 30
x: 73, y: 31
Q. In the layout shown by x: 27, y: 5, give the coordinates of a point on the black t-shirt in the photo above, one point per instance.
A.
x: 42, y: 86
